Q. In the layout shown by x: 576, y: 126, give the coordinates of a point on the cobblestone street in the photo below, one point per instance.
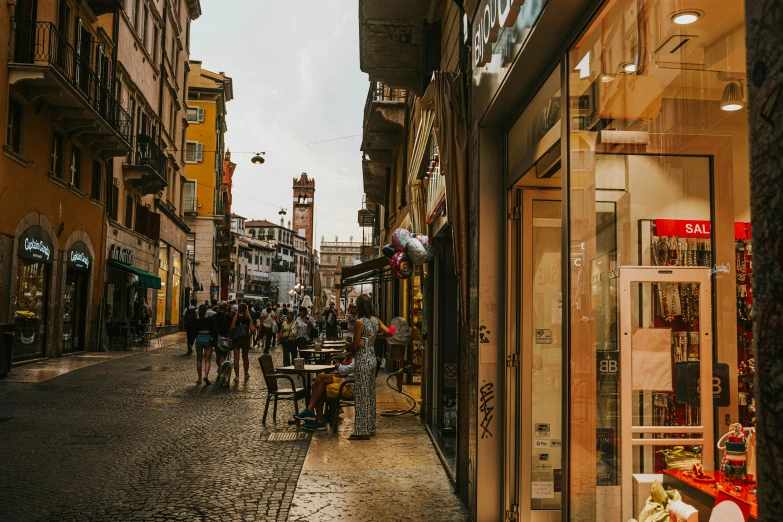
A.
x: 115, y: 441
x: 134, y: 438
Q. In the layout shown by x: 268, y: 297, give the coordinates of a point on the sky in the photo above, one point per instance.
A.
x: 296, y: 76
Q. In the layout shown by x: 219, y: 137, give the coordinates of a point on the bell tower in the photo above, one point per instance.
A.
x: 304, y: 211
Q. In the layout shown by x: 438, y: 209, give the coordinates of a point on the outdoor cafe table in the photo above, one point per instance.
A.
x: 325, y: 352
x: 307, y: 371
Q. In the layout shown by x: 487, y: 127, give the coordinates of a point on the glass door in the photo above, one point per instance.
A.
x: 536, y: 269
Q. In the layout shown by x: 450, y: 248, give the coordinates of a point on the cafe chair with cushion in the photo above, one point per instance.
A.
x: 334, y: 404
x: 294, y: 393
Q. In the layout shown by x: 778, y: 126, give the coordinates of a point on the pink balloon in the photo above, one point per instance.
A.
x: 392, y: 329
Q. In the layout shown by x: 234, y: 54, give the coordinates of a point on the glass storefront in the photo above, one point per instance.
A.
x: 660, y: 257
x: 36, y: 255
x: 163, y: 274
x: 176, y: 287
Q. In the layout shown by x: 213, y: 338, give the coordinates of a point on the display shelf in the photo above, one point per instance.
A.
x: 705, y: 492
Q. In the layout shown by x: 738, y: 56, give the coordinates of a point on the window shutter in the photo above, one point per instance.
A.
x: 153, y: 219
x: 115, y: 201
x: 199, y: 152
x: 200, y: 115
x: 432, y: 52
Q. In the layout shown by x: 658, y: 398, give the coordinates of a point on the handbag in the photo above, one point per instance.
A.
x: 274, y: 327
x: 238, y: 332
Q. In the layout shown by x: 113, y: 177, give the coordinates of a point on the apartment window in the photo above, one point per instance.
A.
x: 136, y: 14
x: 196, y: 115
x: 155, y: 38
x: 56, y: 164
x: 145, y: 32
x: 115, y: 200
x: 76, y: 167
x: 97, y: 179
x: 190, y: 196
x: 128, y: 212
x: 194, y: 152
x: 13, y: 133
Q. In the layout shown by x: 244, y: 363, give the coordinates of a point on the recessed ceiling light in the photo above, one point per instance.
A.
x: 685, y: 17
x: 629, y: 67
x: 606, y: 78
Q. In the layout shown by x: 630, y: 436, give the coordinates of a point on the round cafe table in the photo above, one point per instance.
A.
x: 322, y: 354
x: 307, y: 371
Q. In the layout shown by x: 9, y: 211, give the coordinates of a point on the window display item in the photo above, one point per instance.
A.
x: 658, y: 504
x: 679, y: 511
x: 652, y: 365
x: 735, y: 452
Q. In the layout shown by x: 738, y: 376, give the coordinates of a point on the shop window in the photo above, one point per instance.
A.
x: 76, y: 167
x: 13, y: 133
x: 97, y: 180
x: 57, y: 153
x: 658, y: 212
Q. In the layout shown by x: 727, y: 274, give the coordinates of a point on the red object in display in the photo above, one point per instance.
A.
x: 682, y: 482
x: 694, y: 228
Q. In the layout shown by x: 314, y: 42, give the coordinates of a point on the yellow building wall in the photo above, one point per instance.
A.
x: 204, y: 173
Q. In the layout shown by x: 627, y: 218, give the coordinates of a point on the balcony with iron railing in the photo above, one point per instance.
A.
x: 76, y: 81
x: 384, y: 110
x: 146, y: 166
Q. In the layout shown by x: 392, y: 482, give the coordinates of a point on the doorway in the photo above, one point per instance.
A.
x: 534, y: 373
x: 74, y: 311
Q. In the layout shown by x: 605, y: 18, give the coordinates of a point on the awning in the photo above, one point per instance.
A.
x: 146, y: 280
x: 372, y: 271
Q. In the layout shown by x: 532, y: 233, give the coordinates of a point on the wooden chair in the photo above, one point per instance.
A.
x: 294, y: 393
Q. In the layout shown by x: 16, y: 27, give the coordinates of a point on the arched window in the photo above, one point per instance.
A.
x: 252, y: 233
x: 271, y: 234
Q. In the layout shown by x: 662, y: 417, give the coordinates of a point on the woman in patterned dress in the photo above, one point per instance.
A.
x: 369, y: 327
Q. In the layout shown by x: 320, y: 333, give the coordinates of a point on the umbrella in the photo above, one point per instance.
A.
x: 318, y: 306
x: 307, y: 302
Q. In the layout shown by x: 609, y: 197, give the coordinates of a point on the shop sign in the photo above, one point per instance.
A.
x: 177, y: 271
x: 163, y: 265
x: 35, y: 244
x: 121, y: 255
x: 78, y: 257
x: 494, y: 15
x: 214, y: 289
x: 695, y: 228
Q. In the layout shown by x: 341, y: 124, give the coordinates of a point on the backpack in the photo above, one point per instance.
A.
x: 190, y: 314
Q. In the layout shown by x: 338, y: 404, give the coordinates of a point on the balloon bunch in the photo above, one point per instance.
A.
x: 407, y: 250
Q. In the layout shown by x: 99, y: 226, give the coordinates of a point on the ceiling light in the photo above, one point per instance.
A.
x: 606, y: 78
x: 685, y: 17
x: 629, y: 67
x: 732, y: 97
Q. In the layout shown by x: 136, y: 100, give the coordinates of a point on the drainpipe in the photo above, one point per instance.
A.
x: 162, y: 66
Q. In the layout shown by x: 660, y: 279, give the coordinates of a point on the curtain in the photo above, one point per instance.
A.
x: 451, y: 131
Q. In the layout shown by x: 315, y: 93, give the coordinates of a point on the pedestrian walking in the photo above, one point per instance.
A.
x: 287, y: 337
x: 242, y: 328
x: 222, y: 324
x: 255, y: 317
x: 188, y: 319
x: 330, y: 318
x: 206, y: 339
x: 367, y: 328
x: 268, y: 321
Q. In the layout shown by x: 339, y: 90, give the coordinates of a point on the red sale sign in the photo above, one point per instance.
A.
x: 694, y: 228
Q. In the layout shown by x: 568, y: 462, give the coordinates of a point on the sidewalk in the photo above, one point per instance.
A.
x: 395, y: 476
x: 43, y: 370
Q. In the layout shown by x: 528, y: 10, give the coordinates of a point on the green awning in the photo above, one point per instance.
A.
x: 146, y: 280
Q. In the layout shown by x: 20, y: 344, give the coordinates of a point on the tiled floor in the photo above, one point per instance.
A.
x: 395, y: 476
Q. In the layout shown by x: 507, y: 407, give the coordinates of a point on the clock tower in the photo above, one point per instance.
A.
x: 304, y: 197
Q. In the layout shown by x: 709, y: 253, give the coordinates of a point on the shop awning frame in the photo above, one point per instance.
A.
x: 146, y: 280
x: 373, y: 271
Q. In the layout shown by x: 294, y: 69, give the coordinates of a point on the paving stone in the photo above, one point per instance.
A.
x: 198, y: 458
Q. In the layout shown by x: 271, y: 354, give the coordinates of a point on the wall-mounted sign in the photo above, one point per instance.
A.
x: 177, y: 271
x: 695, y: 228
x: 494, y: 15
x: 35, y: 244
x: 163, y: 264
x: 608, y: 366
x: 78, y: 257
x: 122, y: 255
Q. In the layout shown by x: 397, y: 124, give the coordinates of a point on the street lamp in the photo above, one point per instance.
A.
x: 257, y: 159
